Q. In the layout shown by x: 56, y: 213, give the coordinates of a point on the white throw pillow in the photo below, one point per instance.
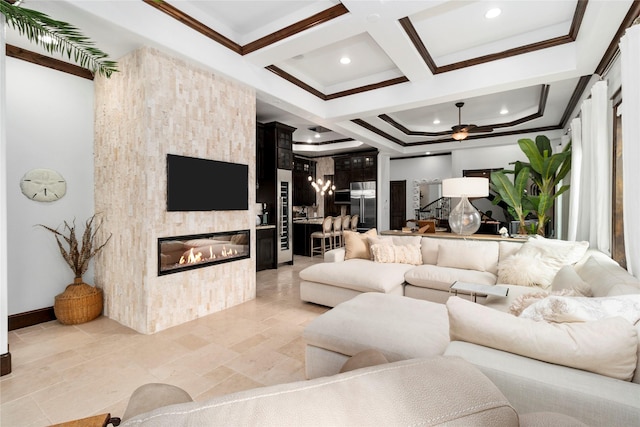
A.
x: 560, y: 252
x: 402, y: 254
x: 607, y: 347
x: 526, y: 270
x: 567, y: 279
x: 580, y: 309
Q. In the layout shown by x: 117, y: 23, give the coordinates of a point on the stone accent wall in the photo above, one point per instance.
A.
x: 156, y: 105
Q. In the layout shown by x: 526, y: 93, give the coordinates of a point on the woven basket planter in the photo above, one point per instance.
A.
x: 79, y: 303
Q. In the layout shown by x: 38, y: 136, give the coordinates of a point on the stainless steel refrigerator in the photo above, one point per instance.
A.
x: 363, y: 204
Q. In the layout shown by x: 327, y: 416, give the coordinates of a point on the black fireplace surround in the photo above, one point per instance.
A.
x: 180, y: 253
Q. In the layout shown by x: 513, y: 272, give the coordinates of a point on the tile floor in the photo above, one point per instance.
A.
x: 60, y: 373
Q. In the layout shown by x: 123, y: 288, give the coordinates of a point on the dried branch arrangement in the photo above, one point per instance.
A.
x: 76, y: 256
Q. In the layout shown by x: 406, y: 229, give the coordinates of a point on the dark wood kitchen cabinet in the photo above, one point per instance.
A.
x: 273, y: 151
x: 356, y: 167
x: 303, y: 192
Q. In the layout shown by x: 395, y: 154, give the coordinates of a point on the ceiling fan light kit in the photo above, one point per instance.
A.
x: 462, y: 131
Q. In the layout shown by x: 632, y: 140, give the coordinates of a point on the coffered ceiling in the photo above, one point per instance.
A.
x: 523, y: 71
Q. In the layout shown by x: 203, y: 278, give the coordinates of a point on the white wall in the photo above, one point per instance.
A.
x: 49, y: 125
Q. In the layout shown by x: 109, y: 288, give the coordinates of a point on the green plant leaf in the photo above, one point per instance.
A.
x: 530, y: 149
x: 543, y: 144
x: 67, y: 39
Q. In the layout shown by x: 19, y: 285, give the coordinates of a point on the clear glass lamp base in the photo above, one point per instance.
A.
x: 464, y: 219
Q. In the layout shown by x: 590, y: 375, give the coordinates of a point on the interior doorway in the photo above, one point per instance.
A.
x: 398, y: 204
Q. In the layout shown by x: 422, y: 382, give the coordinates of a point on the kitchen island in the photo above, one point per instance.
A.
x: 302, y: 229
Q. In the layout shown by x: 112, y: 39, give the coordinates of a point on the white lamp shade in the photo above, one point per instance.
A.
x: 470, y: 187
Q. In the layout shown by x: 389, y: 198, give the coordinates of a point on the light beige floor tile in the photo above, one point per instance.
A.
x: 63, y: 372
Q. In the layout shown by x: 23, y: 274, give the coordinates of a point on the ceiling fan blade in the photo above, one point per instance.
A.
x: 480, y: 129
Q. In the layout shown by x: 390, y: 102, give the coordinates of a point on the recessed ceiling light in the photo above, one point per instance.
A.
x: 309, y: 141
x: 492, y: 13
x: 436, y: 122
x: 428, y: 152
x: 345, y: 60
x: 317, y: 135
x: 504, y: 111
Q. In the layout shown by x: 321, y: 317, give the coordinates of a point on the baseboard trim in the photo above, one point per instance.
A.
x: 5, y: 364
x: 30, y: 318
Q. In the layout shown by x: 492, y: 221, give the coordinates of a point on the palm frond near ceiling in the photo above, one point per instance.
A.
x: 57, y: 37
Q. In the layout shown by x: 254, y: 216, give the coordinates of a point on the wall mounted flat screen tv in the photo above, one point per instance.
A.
x: 195, y: 184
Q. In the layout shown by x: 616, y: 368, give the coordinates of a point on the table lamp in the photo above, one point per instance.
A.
x: 464, y: 219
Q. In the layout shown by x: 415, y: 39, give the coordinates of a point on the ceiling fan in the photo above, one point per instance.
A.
x: 461, y: 131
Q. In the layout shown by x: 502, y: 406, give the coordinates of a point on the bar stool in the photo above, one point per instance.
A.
x: 354, y: 222
x: 336, y: 234
x: 346, y: 225
x: 323, y: 235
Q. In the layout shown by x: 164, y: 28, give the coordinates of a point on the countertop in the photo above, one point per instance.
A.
x: 265, y: 227
x: 316, y: 220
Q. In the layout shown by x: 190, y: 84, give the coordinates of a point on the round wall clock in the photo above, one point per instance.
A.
x: 43, y: 185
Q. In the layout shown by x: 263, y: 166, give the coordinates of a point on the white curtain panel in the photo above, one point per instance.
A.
x: 576, y: 168
x: 590, y: 215
x: 584, y: 175
x: 630, y: 74
x: 601, y: 167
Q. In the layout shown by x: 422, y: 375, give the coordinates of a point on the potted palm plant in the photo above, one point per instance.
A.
x: 544, y: 169
x: 80, y: 302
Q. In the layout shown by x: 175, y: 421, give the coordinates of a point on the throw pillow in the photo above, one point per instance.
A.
x: 356, y: 244
x: 567, y: 279
x: 403, y: 254
x: 450, y: 256
x: 559, y: 252
x: 524, y: 301
x: 525, y: 270
x: 607, y: 347
x: 580, y: 309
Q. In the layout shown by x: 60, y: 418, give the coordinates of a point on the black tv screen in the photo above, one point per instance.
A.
x: 206, y: 185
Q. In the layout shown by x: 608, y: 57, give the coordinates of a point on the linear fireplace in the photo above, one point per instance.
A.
x: 181, y: 253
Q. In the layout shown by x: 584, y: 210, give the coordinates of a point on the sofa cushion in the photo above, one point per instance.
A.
x: 508, y: 248
x: 567, y: 279
x: 603, y: 274
x: 450, y: 256
x: 489, y: 250
x: 436, y: 277
x: 356, y: 244
x: 400, y: 327
x: 607, y: 347
x: 358, y: 274
x: 409, y: 392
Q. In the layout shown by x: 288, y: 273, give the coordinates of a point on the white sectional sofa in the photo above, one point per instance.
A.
x: 442, y: 262
x: 575, y: 360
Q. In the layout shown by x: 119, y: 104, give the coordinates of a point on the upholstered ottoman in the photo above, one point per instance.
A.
x: 330, y: 283
x: 399, y: 327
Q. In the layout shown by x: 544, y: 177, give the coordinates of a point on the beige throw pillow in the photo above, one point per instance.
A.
x: 607, y: 347
x: 402, y: 254
x: 356, y: 244
x: 567, y: 279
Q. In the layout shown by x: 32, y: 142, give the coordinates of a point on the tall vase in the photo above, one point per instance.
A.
x: 79, y: 303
